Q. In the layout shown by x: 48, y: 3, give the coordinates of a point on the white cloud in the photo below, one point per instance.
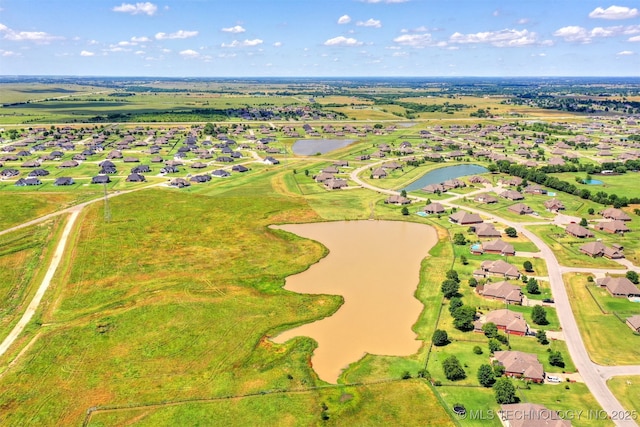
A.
x: 399, y: 54
x: 375, y: 23
x: 614, y: 12
x: 634, y: 39
x: 344, y: 19
x: 235, y: 29
x: 142, y: 39
x: 277, y: 44
x: 138, y: 8
x: 342, y: 41
x: 502, y: 38
x: 625, y: 53
x: 414, y: 40
x: 86, y: 53
x: 582, y: 35
x: 523, y: 21
x: 31, y: 36
x: 189, y: 53
x: 140, y: 52
x: 7, y: 53
x: 245, y: 43
x: 181, y: 34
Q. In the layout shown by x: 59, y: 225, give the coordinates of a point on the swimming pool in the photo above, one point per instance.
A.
x: 476, y: 247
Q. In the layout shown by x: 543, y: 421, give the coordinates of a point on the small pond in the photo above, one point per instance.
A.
x: 439, y: 175
x: 309, y: 147
x: 593, y: 182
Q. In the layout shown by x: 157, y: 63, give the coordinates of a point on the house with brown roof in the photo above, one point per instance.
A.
x: 396, y: 199
x: 379, y: 173
x: 497, y: 268
x: 634, y: 322
x: 498, y: 246
x: 614, y: 227
x: 554, y: 205
x: 486, y: 229
x: 335, y: 184
x: 615, y: 214
x: 433, y: 208
x: 577, y: 230
x: 503, y: 291
x: 506, y: 320
x: 465, y: 218
x: 520, y: 365
x: 512, y: 195
x: 434, y: 188
x: 520, y: 209
x: 530, y: 415
x: 619, y: 286
x: 534, y: 189
x: 485, y: 198
x: 596, y: 249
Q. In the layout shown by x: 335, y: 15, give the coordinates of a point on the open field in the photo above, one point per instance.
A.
x: 626, y: 390
x: 608, y: 339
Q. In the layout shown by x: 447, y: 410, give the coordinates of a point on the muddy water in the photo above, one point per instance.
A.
x: 375, y: 266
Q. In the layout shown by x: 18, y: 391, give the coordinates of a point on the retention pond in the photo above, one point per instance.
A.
x: 375, y: 266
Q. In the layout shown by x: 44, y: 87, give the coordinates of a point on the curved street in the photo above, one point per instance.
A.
x: 594, y: 376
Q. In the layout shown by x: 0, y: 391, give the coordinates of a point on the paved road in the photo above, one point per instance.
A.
x: 594, y: 376
x: 46, y: 281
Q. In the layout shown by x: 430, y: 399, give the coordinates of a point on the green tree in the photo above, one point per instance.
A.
x: 532, y: 286
x: 541, y: 336
x: 504, y: 391
x: 473, y: 282
x: 584, y: 222
x: 404, y: 210
x: 440, y: 338
x: 511, y: 232
x: 591, y: 211
x: 555, y: 359
x: 454, y: 303
x: 632, y: 276
x: 485, y: 375
x: 490, y: 330
x: 459, y: 239
x: 450, y: 288
x: 464, y: 260
x: 528, y: 267
x: 494, y: 345
x: 452, y: 369
x: 403, y: 193
x: 453, y: 275
x: 463, y: 318
x: 539, y: 315
x: 477, y: 349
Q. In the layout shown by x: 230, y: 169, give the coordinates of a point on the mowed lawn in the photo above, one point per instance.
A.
x: 608, y: 340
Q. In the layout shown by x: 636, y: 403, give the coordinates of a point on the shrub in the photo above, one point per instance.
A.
x: 452, y: 369
x: 440, y: 338
x: 539, y: 315
x: 477, y: 350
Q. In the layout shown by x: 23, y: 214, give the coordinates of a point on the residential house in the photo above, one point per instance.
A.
x: 554, y: 205
x: 521, y: 365
x: 179, y: 183
x: 220, y: 173
x: 486, y: 229
x: 136, y: 177
x: 497, y: 268
x: 619, y: 286
x: 465, y: 218
x: 512, y: 195
x: 520, y: 209
x: 577, y: 230
x: 379, y: 173
x: 271, y: 161
x: 485, y: 198
x: 335, y: 183
x: 64, y: 180
x: 613, y: 227
x: 503, y: 291
x: 100, y: 179
x: 530, y: 415
x: 534, y: 189
x: 498, y: 246
x: 239, y: 168
x: 615, y: 214
x: 396, y: 199
x: 22, y: 182
x: 69, y: 164
x: 596, y: 249
x: 434, y: 188
x: 433, y: 208
x: 634, y: 323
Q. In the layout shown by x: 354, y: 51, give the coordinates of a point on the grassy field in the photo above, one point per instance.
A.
x: 608, y: 339
x: 626, y: 390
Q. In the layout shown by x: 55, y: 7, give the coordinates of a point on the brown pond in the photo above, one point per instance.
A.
x: 375, y: 266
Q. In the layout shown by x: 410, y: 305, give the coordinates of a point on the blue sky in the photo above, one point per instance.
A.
x: 245, y: 38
